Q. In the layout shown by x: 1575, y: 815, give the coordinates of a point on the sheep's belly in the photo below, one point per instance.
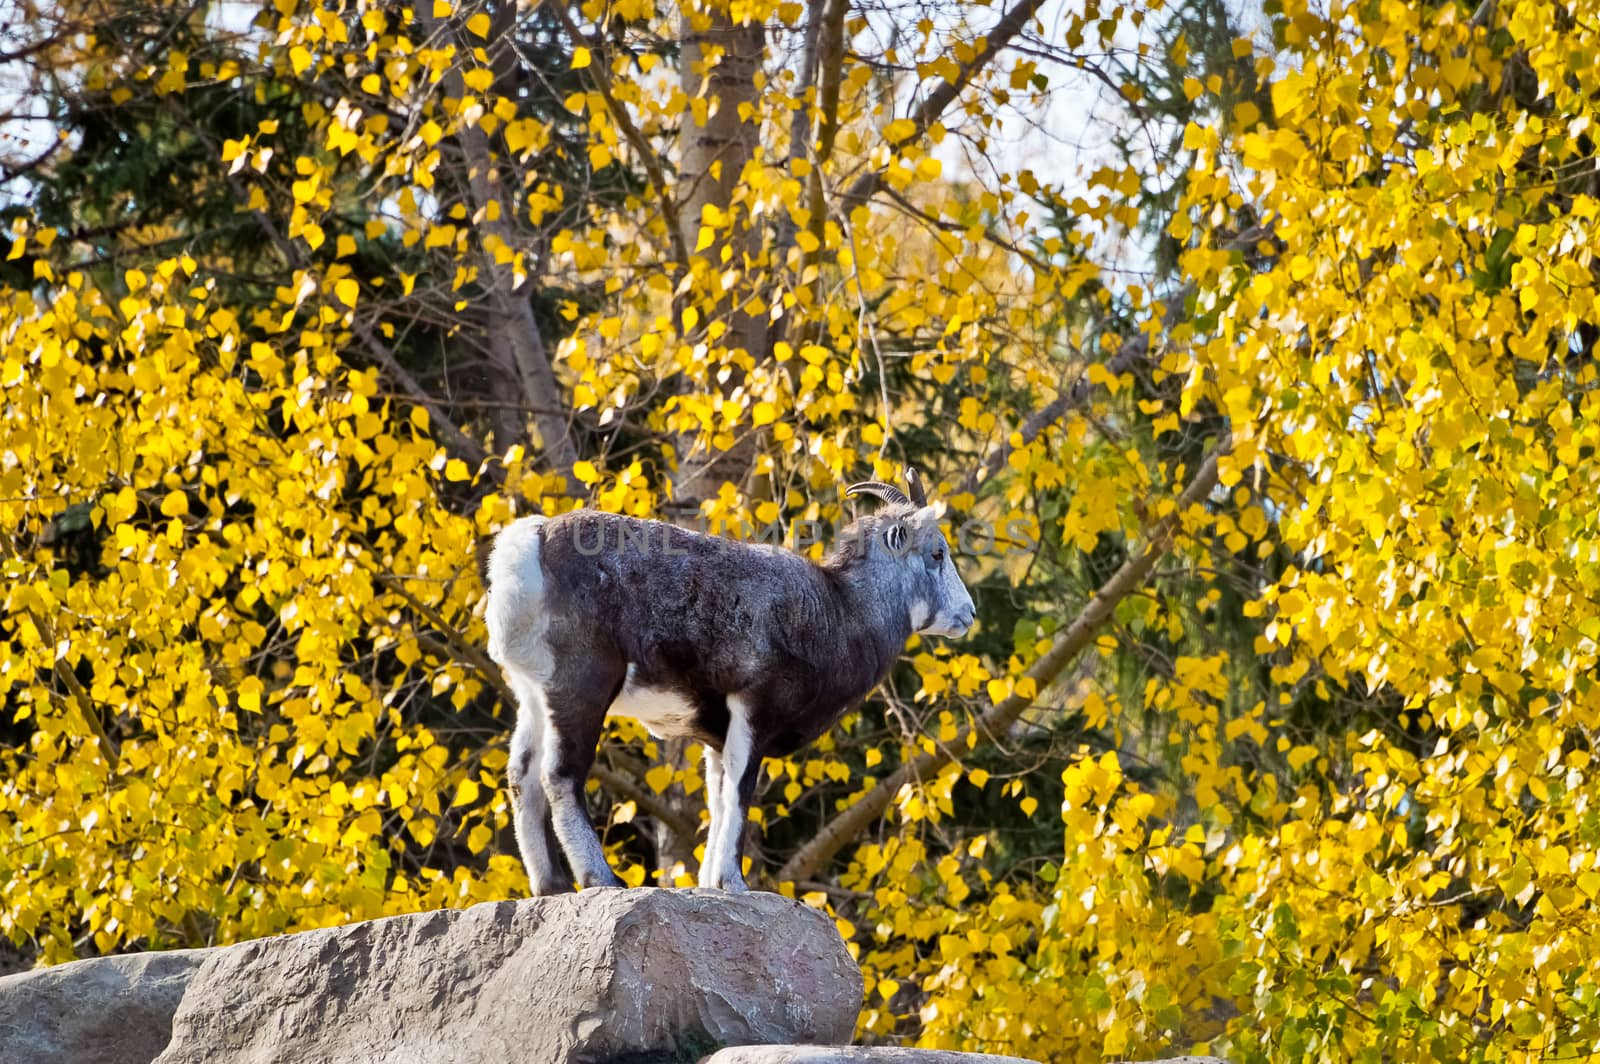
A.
x: 667, y: 714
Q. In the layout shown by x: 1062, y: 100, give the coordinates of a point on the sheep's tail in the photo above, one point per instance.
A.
x: 482, y: 548
x: 514, y: 611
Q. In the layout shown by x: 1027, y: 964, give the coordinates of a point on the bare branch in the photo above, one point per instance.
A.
x: 1065, y: 648
x: 994, y: 42
x: 625, y: 784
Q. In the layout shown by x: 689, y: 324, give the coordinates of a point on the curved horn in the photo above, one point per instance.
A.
x: 877, y: 488
x: 919, y: 498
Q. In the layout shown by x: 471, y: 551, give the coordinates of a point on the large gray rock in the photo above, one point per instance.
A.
x: 107, y: 1010
x: 643, y: 975
x: 852, y: 1055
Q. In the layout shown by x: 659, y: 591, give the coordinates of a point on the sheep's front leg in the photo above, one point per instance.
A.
x: 730, y: 802
x: 713, y: 774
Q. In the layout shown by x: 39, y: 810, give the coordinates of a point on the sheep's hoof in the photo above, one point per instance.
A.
x: 606, y: 879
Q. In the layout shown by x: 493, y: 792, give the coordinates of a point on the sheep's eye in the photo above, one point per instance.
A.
x: 938, y: 555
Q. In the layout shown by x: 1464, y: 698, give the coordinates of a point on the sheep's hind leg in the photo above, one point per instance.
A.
x: 530, y: 809
x: 574, y: 716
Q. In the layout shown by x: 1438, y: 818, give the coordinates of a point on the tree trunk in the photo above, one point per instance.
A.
x: 720, y: 60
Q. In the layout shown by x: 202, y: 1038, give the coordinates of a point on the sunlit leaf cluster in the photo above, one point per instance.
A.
x: 1267, y: 430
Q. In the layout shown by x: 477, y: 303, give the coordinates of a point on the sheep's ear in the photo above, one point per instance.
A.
x: 919, y: 498
x: 894, y: 537
x: 928, y: 515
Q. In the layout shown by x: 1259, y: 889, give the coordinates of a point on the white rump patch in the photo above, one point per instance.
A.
x: 515, y: 613
x: 666, y: 714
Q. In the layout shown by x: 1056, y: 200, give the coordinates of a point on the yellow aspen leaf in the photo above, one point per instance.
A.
x: 479, y: 24
x: 347, y: 291
x: 1300, y: 756
x: 523, y: 134
x: 466, y: 793
x: 479, y: 838
x: 580, y: 58
x: 1285, y: 96
x: 899, y: 130
x: 658, y: 778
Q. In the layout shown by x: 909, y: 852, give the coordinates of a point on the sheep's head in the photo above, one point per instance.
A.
x: 913, y: 553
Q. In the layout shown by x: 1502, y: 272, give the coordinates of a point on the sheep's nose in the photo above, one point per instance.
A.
x: 967, y: 616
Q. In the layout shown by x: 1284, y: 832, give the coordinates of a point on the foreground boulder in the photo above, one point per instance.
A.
x: 602, y: 977
x: 637, y: 975
x: 108, y: 1010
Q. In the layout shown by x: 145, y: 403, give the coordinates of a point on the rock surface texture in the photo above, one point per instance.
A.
x: 604, y: 975
x: 109, y: 1010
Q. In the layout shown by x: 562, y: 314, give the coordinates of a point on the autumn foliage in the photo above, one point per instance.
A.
x: 1276, y: 736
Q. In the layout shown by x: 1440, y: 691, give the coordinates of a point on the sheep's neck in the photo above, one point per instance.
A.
x: 868, y: 629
